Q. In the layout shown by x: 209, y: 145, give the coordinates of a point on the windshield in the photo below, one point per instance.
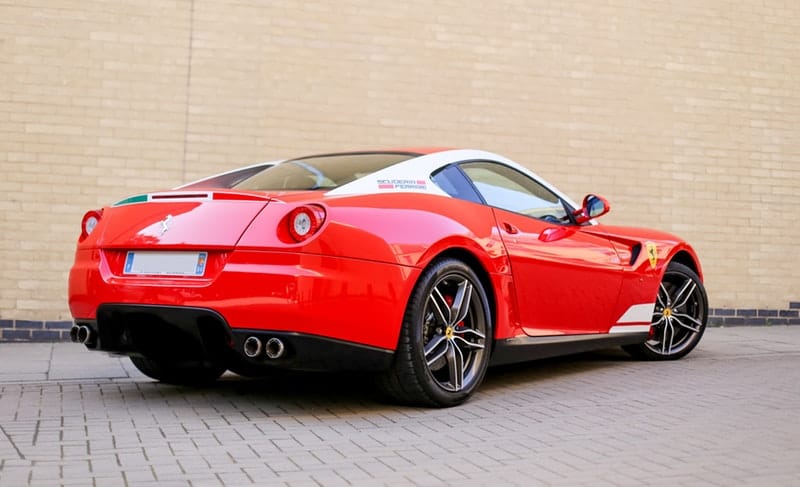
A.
x: 321, y: 172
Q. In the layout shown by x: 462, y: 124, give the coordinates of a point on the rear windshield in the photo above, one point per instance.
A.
x: 321, y: 172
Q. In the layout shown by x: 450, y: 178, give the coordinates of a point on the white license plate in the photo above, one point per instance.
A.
x: 166, y: 263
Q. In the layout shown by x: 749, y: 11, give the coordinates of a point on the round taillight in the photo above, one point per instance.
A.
x: 89, y: 222
x: 301, y: 224
x: 304, y: 221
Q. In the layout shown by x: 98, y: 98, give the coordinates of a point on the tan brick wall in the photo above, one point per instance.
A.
x: 684, y: 114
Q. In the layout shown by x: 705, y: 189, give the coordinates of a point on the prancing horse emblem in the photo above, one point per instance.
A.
x: 165, y: 225
x: 652, y: 254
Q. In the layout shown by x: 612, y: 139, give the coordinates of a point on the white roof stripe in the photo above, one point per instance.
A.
x: 413, y: 175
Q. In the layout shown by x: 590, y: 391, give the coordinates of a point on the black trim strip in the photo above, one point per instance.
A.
x: 411, y: 154
x: 314, y: 352
x: 522, y: 349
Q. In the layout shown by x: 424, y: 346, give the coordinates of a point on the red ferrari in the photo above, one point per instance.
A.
x: 424, y: 266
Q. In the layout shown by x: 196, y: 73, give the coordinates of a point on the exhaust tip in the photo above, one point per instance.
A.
x: 252, y: 347
x: 73, y: 333
x: 275, y: 348
x: 83, y: 335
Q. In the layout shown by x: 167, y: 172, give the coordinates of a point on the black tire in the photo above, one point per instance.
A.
x: 186, y: 373
x: 679, y: 317
x: 458, y: 339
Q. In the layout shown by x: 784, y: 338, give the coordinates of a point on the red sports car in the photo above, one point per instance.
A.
x: 424, y: 266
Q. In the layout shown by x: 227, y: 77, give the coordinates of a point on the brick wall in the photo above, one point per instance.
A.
x: 684, y: 114
x: 34, y: 331
x: 755, y: 317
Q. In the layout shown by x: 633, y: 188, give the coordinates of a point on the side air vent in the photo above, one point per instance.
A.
x: 635, y: 251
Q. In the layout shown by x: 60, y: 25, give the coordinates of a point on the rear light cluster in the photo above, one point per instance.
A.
x: 305, y: 221
x: 302, y: 222
x: 89, y: 222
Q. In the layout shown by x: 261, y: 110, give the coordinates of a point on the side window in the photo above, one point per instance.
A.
x: 453, y: 182
x: 508, y: 189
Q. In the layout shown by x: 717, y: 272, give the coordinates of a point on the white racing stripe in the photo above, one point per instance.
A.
x: 629, y: 329
x: 638, y: 313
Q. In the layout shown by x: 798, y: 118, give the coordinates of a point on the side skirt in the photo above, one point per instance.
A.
x: 521, y: 349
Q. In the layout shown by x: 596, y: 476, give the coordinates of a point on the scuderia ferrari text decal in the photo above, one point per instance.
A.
x: 402, y: 184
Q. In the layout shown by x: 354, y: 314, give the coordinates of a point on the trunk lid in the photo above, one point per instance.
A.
x: 213, y: 220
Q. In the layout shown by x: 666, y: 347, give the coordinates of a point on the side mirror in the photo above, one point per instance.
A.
x: 593, y: 207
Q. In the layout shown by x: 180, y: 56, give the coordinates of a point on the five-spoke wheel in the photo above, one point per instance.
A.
x: 444, y: 345
x: 454, y: 341
x: 679, y: 317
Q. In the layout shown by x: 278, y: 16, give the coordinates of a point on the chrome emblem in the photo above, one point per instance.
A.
x: 165, y: 224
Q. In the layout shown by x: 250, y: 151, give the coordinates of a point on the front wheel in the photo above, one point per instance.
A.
x: 191, y: 373
x: 445, y: 340
x: 679, y: 317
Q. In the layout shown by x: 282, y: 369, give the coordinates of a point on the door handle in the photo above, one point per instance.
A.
x: 509, y: 228
x: 555, y: 233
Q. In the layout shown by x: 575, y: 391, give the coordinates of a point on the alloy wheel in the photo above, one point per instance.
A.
x: 679, y: 315
x: 454, y: 332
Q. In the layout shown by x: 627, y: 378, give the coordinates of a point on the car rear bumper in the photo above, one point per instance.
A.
x: 341, y: 299
x: 187, y: 334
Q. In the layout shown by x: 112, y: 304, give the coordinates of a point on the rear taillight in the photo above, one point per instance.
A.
x: 89, y: 222
x: 305, y: 221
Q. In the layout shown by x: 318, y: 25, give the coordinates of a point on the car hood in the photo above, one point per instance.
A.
x: 633, y: 235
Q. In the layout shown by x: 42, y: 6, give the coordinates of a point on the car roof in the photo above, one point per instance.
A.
x: 228, y: 179
x: 414, y: 174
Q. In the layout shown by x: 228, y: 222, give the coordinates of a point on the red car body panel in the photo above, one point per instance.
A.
x: 363, y: 263
x: 575, y: 271
x: 641, y: 278
x: 266, y: 290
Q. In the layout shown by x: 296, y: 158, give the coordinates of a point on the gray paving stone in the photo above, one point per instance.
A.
x: 15, y: 475
x: 727, y: 414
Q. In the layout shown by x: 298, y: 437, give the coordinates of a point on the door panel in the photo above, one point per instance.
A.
x: 566, y: 281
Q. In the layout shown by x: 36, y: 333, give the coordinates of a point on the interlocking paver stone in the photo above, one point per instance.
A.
x: 727, y: 414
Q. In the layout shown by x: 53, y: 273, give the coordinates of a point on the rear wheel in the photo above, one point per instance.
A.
x: 679, y: 317
x: 445, y: 340
x: 178, y: 373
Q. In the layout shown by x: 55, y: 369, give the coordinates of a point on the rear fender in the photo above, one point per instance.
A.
x: 495, y: 275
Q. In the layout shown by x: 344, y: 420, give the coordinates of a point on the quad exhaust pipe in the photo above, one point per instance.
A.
x: 81, y: 334
x: 273, y: 348
x: 252, y: 347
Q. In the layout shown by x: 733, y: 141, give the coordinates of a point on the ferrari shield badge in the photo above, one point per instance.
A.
x: 652, y: 254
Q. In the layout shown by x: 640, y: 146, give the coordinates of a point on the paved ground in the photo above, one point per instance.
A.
x: 729, y: 414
